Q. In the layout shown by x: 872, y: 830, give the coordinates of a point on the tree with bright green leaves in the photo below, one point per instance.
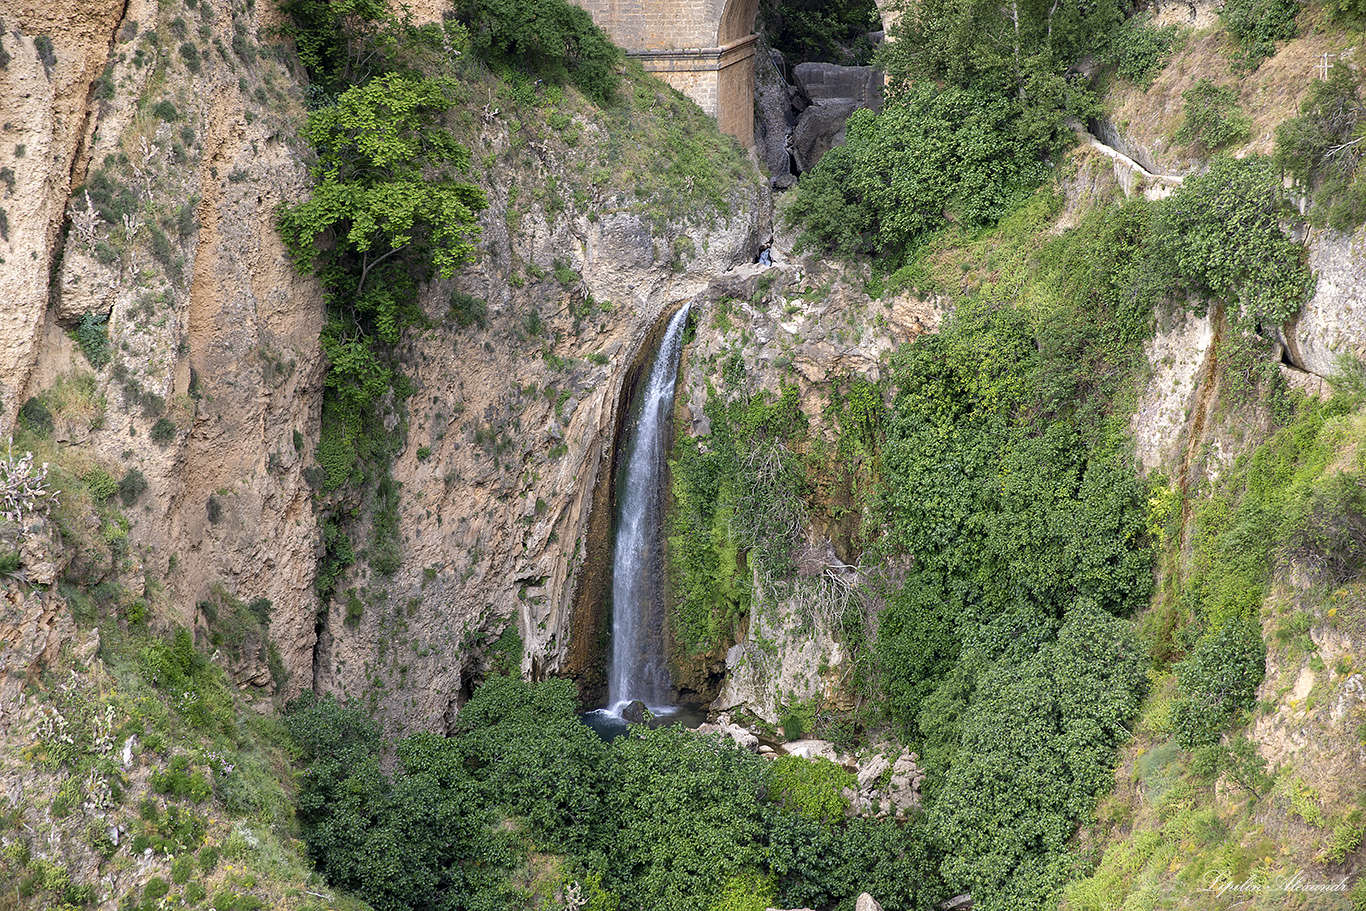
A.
x: 935, y: 156
x: 385, y: 191
x: 552, y: 39
x: 1220, y: 233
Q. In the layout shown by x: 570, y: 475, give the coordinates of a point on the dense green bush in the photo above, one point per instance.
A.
x: 1257, y: 25
x: 817, y: 30
x: 552, y: 39
x: 1037, y: 745
x: 93, y: 336
x: 1138, y: 50
x: 163, y: 431
x: 664, y: 819
x: 1220, y: 233
x: 810, y: 788
x: 1219, y: 679
x: 132, y: 486
x: 36, y: 418
x: 933, y: 155
x: 1211, y: 117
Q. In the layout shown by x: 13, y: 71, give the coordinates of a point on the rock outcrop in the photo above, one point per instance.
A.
x: 830, y: 93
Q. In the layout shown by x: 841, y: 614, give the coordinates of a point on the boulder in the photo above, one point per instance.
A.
x: 866, y: 902
x: 819, y: 129
x: 870, y: 774
x: 834, y: 93
x: 825, y: 83
x: 812, y: 749
x: 743, y: 736
x: 635, y: 712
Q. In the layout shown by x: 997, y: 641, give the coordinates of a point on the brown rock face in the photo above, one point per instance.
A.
x: 57, y: 50
x: 148, y: 162
x: 211, y: 337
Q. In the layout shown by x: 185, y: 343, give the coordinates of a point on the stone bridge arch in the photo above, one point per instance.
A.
x: 703, y: 48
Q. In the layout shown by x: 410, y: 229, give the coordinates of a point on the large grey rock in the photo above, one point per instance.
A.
x: 742, y: 735
x: 812, y: 749
x: 774, y: 116
x: 868, y: 775
x: 1332, y: 325
x: 866, y: 902
x: 835, y: 93
x: 828, y: 82
x: 819, y: 129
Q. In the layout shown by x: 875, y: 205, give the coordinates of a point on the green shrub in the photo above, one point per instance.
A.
x: 36, y: 418
x: 1220, y: 233
x: 163, y: 431
x: 46, y: 52
x: 1257, y: 25
x: 468, y: 310
x: 93, y: 337
x: 810, y: 787
x: 1212, y: 119
x: 165, y: 110
x: 1219, y: 679
x: 355, y: 608
x: 809, y: 30
x: 1138, y: 50
x: 101, y: 484
x: 179, y: 780
x: 132, y: 486
x: 189, y: 52
x: 933, y: 154
x: 1327, y: 532
x: 552, y: 39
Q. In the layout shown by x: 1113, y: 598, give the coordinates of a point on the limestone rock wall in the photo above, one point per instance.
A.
x: 56, y: 52
x: 182, y: 127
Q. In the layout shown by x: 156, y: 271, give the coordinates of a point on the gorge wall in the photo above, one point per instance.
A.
x: 184, y: 156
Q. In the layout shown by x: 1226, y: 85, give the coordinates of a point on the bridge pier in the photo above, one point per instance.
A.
x: 719, y: 79
x: 703, y: 48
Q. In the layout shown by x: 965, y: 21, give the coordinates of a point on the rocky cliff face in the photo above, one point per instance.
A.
x: 506, y: 476
x: 182, y: 130
x: 146, y: 149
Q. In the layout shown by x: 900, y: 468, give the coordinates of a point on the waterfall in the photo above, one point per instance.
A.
x: 638, y: 669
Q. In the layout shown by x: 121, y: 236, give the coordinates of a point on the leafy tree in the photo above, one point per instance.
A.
x: 526, y: 746
x: 820, y: 30
x: 1221, y: 234
x: 550, y: 38
x: 688, y: 816
x: 384, y: 188
x: 933, y: 156
x: 1037, y: 745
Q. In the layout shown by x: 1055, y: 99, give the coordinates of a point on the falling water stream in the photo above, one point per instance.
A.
x: 638, y: 670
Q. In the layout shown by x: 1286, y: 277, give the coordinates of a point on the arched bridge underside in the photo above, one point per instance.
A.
x: 703, y: 48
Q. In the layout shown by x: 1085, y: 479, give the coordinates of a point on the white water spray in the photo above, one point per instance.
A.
x: 638, y: 669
